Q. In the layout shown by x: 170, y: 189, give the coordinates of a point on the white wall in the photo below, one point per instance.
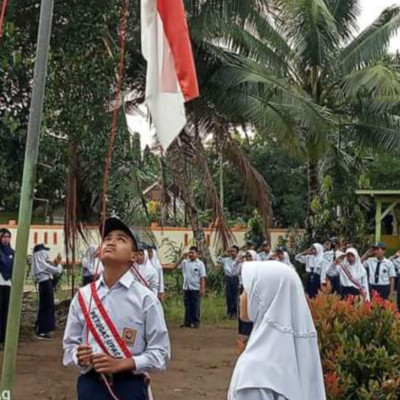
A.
x: 53, y: 237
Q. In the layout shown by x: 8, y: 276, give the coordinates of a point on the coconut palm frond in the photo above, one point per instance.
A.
x: 224, y: 233
x: 257, y: 188
x: 371, y: 44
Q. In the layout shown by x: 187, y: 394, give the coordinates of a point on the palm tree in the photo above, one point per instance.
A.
x: 205, y: 20
x: 302, y: 75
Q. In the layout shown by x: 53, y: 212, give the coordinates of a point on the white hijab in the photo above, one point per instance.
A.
x: 286, y: 259
x: 158, y: 267
x: 253, y: 254
x: 282, y: 354
x: 316, y: 260
x: 148, y: 272
x: 357, y: 269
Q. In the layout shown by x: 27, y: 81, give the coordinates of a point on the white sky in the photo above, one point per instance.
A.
x: 370, y: 11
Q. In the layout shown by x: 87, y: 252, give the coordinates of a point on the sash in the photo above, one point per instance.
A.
x: 101, y: 326
x: 104, y: 331
x: 352, y: 279
x: 139, y: 276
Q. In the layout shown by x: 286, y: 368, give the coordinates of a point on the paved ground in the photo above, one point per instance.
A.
x: 201, y: 366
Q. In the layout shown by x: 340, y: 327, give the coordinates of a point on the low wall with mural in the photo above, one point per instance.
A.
x: 167, y: 239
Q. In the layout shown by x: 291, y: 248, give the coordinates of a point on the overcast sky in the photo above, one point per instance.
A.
x: 370, y: 11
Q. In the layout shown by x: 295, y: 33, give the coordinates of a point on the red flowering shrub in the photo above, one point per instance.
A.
x: 360, y: 347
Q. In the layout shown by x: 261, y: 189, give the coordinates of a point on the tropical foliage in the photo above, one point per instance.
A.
x: 359, y: 347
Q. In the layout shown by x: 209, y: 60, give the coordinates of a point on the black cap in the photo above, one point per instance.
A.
x: 334, y: 240
x: 115, y: 224
x: 40, y: 247
x: 280, y: 249
x: 379, y: 245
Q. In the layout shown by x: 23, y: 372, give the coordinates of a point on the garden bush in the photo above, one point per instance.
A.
x: 360, y: 347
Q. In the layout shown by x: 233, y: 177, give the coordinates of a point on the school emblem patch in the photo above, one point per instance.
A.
x: 129, y: 336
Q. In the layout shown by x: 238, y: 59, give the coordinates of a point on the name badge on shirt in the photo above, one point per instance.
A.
x: 129, y: 336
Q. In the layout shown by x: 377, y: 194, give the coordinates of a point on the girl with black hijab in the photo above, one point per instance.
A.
x: 6, y: 266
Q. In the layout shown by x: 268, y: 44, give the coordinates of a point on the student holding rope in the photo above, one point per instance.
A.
x: 116, y: 332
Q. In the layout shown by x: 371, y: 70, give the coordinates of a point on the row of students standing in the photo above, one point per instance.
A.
x: 348, y: 273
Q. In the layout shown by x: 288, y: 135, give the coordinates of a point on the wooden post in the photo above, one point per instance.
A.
x: 378, y: 220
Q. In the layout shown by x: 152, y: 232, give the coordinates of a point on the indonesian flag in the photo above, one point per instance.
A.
x: 171, y: 74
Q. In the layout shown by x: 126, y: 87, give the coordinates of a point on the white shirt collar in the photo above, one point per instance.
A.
x: 126, y: 280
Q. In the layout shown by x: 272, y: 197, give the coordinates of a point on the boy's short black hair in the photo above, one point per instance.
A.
x: 194, y: 248
x: 236, y: 248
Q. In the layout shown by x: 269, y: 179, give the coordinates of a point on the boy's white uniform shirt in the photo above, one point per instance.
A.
x: 132, y: 308
x: 228, y: 265
x: 386, y: 271
x: 193, y: 272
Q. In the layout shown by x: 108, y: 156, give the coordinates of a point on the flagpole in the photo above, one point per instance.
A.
x: 26, y: 200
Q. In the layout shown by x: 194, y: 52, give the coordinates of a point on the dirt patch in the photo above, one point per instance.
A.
x: 201, y: 366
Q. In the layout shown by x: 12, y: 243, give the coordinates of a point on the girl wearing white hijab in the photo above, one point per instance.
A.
x: 281, y: 360
x: 313, y: 258
x: 147, y: 271
x: 353, y: 275
x: 43, y: 273
x: 155, y: 261
x: 91, y: 265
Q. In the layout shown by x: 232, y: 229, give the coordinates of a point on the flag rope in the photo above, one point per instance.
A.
x: 122, y: 32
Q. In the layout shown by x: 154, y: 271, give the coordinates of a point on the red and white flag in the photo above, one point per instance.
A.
x: 171, y: 73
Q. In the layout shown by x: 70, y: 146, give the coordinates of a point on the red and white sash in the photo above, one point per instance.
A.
x: 101, y: 326
x: 103, y: 329
x: 351, y: 278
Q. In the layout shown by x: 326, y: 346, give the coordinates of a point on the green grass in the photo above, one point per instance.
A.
x: 213, y: 311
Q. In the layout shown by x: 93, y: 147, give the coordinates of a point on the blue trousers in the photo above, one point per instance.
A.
x: 125, y: 387
x: 192, y: 303
x: 46, y: 319
x: 313, y: 284
x: 383, y: 290
x: 232, y: 291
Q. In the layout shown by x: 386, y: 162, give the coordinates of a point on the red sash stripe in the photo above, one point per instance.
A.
x: 108, y: 321
x: 89, y: 323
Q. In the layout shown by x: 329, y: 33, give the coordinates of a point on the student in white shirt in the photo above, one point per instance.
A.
x: 147, y: 273
x: 281, y: 360
x: 381, y: 271
x: 116, y: 332
x: 396, y: 262
x: 6, y: 268
x: 231, y: 281
x: 353, y: 276
x: 155, y: 261
x: 313, y: 258
x: 43, y: 274
x: 283, y: 256
x: 194, y: 286
x: 332, y: 272
x: 92, y: 267
x: 265, y: 253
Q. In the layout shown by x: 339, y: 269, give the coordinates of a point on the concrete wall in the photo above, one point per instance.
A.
x: 53, y: 237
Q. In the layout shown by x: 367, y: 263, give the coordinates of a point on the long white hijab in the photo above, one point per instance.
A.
x: 282, y: 354
x: 148, y: 272
x: 318, y: 258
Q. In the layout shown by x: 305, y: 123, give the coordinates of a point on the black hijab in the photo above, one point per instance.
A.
x: 6, y: 257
